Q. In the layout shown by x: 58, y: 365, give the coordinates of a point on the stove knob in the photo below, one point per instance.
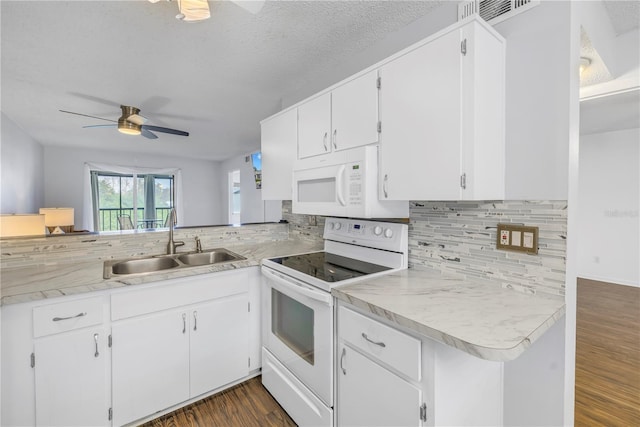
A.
x: 377, y: 230
x: 338, y: 226
x: 331, y: 225
x: 388, y: 233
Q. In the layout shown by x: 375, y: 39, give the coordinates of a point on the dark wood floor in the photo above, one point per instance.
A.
x: 247, y: 404
x: 607, y: 355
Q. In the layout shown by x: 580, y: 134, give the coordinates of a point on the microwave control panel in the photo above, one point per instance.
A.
x: 355, y: 179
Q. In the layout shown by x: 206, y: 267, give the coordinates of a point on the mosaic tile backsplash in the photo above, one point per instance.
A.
x: 460, y: 238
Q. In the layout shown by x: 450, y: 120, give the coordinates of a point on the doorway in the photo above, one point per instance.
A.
x: 234, y: 197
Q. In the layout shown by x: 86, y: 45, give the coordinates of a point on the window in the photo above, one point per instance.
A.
x: 145, y: 200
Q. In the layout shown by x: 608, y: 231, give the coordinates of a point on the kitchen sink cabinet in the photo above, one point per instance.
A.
x: 279, y: 144
x: 442, y: 118
x: 346, y: 117
x: 218, y: 347
x: 163, y: 358
x: 150, y: 364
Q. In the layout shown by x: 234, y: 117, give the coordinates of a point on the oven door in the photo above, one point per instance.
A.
x: 298, y: 330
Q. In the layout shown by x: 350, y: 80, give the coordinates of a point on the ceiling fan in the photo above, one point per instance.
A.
x: 132, y: 123
x: 198, y: 10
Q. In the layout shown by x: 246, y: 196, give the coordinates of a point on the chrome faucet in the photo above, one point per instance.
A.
x: 172, y: 245
x: 198, y: 245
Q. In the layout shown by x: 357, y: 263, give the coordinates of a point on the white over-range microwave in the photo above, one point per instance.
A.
x: 343, y: 183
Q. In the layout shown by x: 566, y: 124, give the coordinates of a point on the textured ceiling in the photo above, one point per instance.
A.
x: 624, y: 15
x: 216, y: 79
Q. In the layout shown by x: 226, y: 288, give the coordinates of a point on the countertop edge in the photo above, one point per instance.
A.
x: 483, y: 352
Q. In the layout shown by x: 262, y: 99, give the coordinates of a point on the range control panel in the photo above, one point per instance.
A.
x: 377, y: 234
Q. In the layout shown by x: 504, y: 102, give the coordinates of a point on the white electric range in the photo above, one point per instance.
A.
x: 297, y: 307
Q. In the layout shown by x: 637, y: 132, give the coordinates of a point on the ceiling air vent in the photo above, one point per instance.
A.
x: 494, y: 11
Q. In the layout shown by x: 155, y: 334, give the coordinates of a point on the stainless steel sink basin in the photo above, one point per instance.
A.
x: 214, y: 256
x: 143, y: 265
x: 168, y: 262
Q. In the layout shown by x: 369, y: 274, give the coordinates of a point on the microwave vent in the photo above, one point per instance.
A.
x: 494, y: 11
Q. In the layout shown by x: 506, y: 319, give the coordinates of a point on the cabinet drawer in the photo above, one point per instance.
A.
x: 390, y: 346
x: 67, y: 316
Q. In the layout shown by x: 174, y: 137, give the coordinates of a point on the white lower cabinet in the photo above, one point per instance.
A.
x: 167, y: 357
x: 382, y: 377
x: 116, y: 357
x: 389, y: 376
x: 218, y: 345
x: 371, y: 395
x: 150, y: 364
x: 72, y: 378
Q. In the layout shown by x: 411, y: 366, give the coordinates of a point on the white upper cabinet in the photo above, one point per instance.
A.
x: 346, y: 117
x: 314, y: 126
x: 354, y: 112
x: 442, y: 118
x: 279, y: 136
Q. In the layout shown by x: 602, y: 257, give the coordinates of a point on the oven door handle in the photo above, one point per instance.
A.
x: 297, y: 287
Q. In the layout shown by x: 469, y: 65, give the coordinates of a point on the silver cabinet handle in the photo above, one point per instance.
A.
x: 384, y: 185
x: 380, y: 343
x: 344, y: 353
x: 57, y: 319
x: 195, y: 320
x: 324, y: 141
x: 95, y: 339
x: 335, y: 137
x: 184, y: 323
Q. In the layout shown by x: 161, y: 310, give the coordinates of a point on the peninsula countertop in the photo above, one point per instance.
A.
x: 31, y: 283
x: 488, y: 321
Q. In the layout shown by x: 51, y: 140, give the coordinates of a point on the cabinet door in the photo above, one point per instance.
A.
x: 314, y: 126
x: 71, y: 379
x: 370, y: 395
x: 279, y: 138
x: 150, y: 364
x: 219, y: 343
x: 421, y: 123
x: 354, y: 112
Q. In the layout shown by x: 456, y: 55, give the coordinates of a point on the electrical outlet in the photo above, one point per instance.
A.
x: 512, y: 237
x: 313, y: 220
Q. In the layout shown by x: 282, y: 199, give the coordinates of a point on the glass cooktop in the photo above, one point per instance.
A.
x: 329, y: 267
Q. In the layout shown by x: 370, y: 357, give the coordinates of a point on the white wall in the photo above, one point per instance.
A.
x: 252, y: 207
x: 609, y: 188
x: 21, y: 170
x: 64, y: 169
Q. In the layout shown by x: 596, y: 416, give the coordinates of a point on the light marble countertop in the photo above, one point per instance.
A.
x: 24, y: 284
x: 489, y: 322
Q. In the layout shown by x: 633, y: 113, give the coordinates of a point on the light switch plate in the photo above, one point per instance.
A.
x: 520, y: 238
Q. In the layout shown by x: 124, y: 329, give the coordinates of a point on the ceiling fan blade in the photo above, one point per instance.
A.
x: 100, y: 126
x: 252, y: 6
x: 165, y: 130
x: 86, y: 115
x: 137, y: 119
x: 148, y: 134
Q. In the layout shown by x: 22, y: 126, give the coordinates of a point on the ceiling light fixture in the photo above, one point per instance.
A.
x: 584, y: 64
x: 124, y: 125
x: 193, y: 10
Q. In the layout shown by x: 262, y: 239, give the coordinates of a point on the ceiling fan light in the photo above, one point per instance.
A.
x: 193, y: 10
x: 128, y: 128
